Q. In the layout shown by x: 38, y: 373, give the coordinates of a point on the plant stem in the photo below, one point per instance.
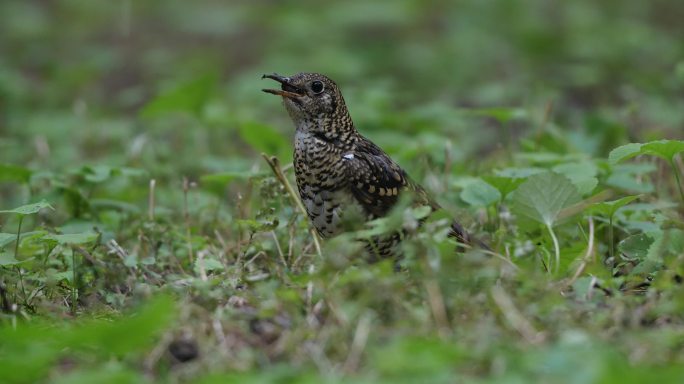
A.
x: 274, y: 163
x: 675, y: 169
x: 74, y: 291
x: 611, y: 239
x: 556, y: 247
x: 186, y: 219
x: 16, y: 252
x: 16, y: 243
x: 150, y: 204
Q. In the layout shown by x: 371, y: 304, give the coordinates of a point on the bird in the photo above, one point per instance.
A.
x: 340, y: 173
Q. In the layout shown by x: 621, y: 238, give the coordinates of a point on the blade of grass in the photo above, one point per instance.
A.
x: 274, y: 163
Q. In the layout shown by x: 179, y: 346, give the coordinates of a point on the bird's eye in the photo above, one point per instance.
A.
x: 317, y: 86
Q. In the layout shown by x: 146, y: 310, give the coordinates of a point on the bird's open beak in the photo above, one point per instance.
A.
x: 288, y: 90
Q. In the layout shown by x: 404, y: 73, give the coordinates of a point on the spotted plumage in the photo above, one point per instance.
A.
x: 339, y: 172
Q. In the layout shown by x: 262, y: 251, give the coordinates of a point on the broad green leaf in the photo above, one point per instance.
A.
x: 542, y: 197
x: 27, y: 353
x: 624, y: 152
x: 74, y: 238
x: 608, y: 208
x: 6, y: 238
x: 463, y: 181
x: 630, y: 183
x: 420, y: 212
x: 655, y: 252
x: 505, y: 185
x: 59, y: 276
x: 582, y: 174
x: 128, y: 334
x: 29, y: 208
x: 575, y: 209
x: 635, y: 168
x: 7, y: 258
x: 29, y: 349
x: 379, y: 226
x: 636, y: 246
x: 665, y: 149
x: 188, y: 97
x: 11, y: 172
x: 517, y: 173
x: 412, y: 356
x: 208, y: 265
x: 74, y: 200
x: 96, y: 174
x: 263, y: 138
x: 480, y: 194
x: 676, y: 241
x: 585, y: 186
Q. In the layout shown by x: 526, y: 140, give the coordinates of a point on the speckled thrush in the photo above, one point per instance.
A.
x: 337, y: 169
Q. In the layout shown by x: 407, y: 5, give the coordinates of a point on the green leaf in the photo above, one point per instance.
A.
x: 127, y: 334
x: 414, y: 357
x: 665, y: 149
x: 630, y: 183
x: 479, y: 193
x: 96, y: 174
x: 636, y: 246
x: 624, y: 152
x: 11, y: 172
x: 6, y: 238
x: 74, y: 238
x: 517, y: 173
x: 29, y: 208
x: 187, y: 97
x: 608, y: 208
x: 208, y: 265
x: 582, y: 174
x: 60, y: 276
x: 420, y: 212
x: 7, y: 258
x: 263, y: 138
x: 542, y: 197
x: 379, y: 226
x: 505, y: 185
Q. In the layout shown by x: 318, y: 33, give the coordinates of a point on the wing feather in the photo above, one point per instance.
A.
x: 377, y: 181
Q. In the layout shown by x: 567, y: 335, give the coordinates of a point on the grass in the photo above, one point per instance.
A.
x: 145, y: 238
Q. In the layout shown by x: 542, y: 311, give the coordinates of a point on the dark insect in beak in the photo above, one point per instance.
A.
x: 287, y: 90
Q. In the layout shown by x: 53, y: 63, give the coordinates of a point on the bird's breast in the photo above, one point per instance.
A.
x: 322, y: 180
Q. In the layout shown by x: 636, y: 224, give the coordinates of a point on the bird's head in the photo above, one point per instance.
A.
x: 314, y: 103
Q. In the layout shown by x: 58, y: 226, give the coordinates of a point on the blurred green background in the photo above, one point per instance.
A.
x: 173, y: 86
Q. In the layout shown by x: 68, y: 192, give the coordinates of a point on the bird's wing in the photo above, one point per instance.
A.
x: 376, y: 180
